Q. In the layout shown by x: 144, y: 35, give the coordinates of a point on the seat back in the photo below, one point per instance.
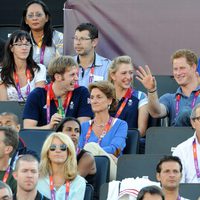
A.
x: 104, y: 191
x: 102, y: 174
x: 6, y: 30
x: 132, y: 142
x: 14, y: 107
x: 189, y: 190
x: 137, y: 165
x: 165, y: 83
x: 34, y: 138
x: 89, y: 192
x: 163, y: 140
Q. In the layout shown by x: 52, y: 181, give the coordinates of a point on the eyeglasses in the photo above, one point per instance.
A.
x: 20, y: 45
x: 31, y: 16
x: 196, y: 118
x: 53, y: 147
x: 6, y: 198
x: 81, y: 39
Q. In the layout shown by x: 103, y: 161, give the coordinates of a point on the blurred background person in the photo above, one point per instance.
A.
x: 58, y: 169
x: 150, y: 193
x: 20, y: 74
x: 11, y: 120
x: 8, y: 145
x: 5, y: 191
x: 47, y: 42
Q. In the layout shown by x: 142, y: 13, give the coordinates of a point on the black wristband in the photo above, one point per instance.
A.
x: 149, y: 91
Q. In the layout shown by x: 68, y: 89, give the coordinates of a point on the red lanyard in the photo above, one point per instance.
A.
x: 28, y: 79
x: 91, y: 71
x: 53, y: 196
x: 91, y: 74
x: 106, y: 128
x: 42, y: 54
x: 62, y: 109
x: 195, y: 158
x: 6, y: 175
x: 128, y: 95
x: 178, y: 98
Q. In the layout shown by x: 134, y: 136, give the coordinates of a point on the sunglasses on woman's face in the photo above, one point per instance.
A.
x: 62, y: 147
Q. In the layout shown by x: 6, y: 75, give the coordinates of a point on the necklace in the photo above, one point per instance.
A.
x: 99, y: 125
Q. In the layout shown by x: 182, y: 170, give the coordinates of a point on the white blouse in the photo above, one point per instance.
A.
x: 38, y: 76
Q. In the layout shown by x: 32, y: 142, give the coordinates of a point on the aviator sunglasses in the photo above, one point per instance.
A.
x: 62, y: 147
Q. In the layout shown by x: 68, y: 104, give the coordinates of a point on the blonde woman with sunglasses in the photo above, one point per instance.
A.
x: 58, y: 169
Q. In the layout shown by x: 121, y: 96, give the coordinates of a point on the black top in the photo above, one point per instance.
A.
x: 39, y: 196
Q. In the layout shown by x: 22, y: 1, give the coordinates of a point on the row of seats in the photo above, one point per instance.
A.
x: 144, y: 165
x: 189, y: 191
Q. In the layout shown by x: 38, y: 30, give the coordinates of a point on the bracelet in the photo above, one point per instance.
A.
x: 149, y: 91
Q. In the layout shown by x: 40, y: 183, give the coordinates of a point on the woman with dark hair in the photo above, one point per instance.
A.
x: 85, y: 160
x: 47, y: 42
x: 20, y: 74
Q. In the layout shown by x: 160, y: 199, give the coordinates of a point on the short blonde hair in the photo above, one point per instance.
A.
x: 70, y: 165
x: 59, y: 65
x: 115, y: 65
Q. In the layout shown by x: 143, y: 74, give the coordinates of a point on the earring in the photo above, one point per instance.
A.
x: 108, y: 106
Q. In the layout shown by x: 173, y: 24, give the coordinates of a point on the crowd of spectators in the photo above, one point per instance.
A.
x: 89, y: 103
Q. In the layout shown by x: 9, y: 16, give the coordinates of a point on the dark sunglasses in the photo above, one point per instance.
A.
x: 53, y: 147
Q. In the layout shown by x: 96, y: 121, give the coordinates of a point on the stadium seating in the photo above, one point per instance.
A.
x: 190, y: 190
x: 163, y: 140
x: 165, y: 83
x: 89, y: 192
x: 14, y: 107
x: 34, y: 138
x: 132, y: 142
x: 137, y: 165
x: 102, y: 175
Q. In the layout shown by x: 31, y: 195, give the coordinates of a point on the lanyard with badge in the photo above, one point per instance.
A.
x: 6, y: 175
x: 62, y: 108
x: 104, y: 132
x: 28, y: 79
x: 127, y: 95
x: 53, y: 196
x: 91, y: 77
x: 178, y: 98
x: 41, y: 49
x: 196, y: 165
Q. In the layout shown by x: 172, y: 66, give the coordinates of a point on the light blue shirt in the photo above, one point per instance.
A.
x: 185, y: 108
x: 76, y: 191
x: 100, y: 70
x: 114, y: 140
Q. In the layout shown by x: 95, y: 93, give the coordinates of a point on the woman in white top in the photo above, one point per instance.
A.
x: 47, y: 42
x: 58, y: 169
x: 19, y: 73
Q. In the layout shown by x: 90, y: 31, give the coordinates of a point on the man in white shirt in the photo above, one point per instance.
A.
x: 189, y: 151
